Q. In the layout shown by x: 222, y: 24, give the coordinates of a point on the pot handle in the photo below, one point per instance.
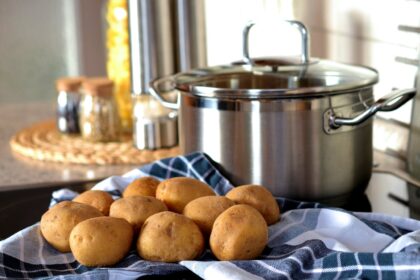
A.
x: 154, y: 90
x: 390, y: 102
x: 299, y: 25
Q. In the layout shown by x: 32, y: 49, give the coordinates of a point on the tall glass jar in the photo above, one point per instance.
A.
x: 118, y: 58
x: 68, y: 100
x: 98, y: 116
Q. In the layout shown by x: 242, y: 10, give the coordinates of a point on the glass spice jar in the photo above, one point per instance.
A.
x: 68, y: 100
x: 98, y: 113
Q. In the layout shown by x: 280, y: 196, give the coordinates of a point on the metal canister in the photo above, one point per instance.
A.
x: 190, y: 37
x: 152, y: 55
x: 166, y: 36
x: 68, y: 100
x: 154, y: 125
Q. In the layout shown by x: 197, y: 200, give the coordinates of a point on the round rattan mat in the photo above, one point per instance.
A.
x: 42, y: 141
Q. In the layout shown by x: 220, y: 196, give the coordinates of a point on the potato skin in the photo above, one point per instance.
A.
x: 57, y: 223
x: 179, y: 191
x: 101, y: 241
x: 145, y: 186
x: 136, y: 209
x: 239, y: 233
x: 204, y: 211
x: 170, y: 237
x: 99, y: 199
x: 258, y: 197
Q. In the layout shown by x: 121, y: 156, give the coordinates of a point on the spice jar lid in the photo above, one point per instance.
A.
x: 69, y: 83
x: 98, y: 86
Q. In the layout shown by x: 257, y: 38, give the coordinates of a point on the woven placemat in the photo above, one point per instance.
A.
x: 42, y: 141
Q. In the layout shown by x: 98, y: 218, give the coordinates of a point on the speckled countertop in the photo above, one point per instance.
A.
x: 17, y: 172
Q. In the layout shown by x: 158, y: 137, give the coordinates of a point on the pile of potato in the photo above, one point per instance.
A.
x: 168, y: 221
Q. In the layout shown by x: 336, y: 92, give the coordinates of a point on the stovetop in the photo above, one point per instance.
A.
x: 386, y: 194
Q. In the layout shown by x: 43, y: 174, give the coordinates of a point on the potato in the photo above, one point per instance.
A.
x: 259, y: 198
x: 99, y: 199
x: 179, y: 191
x: 239, y: 233
x: 136, y: 209
x: 204, y: 211
x: 58, y: 222
x: 101, y: 241
x: 170, y: 237
x: 145, y: 186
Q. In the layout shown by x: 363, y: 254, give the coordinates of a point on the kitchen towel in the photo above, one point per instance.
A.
x: 310, y: 241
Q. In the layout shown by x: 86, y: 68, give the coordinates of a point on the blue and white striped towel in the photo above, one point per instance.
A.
x: 310, y: 241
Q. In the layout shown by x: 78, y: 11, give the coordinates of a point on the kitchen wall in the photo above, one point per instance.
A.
x: 45, y: 39
x: 367, y: 33
x: 226, y: 20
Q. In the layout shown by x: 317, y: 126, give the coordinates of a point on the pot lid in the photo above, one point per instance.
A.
x: 317, y: 78
x: 276, y: 77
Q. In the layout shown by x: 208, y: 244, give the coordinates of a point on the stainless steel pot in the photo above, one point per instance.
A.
x: 302, y: 129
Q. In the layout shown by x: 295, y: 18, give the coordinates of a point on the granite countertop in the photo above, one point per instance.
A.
x: 18, y: 172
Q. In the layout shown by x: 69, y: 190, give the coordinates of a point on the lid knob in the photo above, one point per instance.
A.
x: 299, y: 25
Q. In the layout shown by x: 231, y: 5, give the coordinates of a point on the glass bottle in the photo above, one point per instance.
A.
x: 98, y: 116
x: 68, y: 100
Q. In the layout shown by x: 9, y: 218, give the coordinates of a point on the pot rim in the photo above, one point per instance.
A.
x: 317, y: 92
x: 200, y: 82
